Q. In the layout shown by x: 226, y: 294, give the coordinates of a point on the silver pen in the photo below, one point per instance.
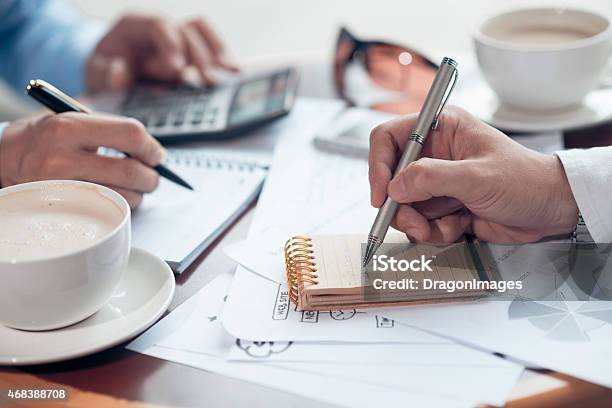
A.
x: 438, y: 94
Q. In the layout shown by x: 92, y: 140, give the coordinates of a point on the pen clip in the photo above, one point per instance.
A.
x: 434, y: 124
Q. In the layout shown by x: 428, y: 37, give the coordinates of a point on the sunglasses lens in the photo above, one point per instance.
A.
x: 405, y: 73
x: 381, y: 76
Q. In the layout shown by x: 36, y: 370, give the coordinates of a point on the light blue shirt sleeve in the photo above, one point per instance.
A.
x: 45, y: 39
x: 2, y: 126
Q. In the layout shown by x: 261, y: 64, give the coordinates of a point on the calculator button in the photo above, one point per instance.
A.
x: 198, y: 117
x: 179, y: 118
x: 161, y: 121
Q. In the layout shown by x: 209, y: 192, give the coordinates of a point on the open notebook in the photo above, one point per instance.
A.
x: 324, y: 272
x: 177, y: 224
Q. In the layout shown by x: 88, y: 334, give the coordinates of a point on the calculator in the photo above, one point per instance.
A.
x: 181, y: 112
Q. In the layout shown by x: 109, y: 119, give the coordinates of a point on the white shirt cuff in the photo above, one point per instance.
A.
x: 589, y: 173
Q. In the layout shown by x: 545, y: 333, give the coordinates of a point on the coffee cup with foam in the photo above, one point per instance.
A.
x: 64, y: 246
x: 543, y: 59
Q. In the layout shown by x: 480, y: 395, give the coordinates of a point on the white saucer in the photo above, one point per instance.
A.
x: 142, y: 296
x: 474, y: 95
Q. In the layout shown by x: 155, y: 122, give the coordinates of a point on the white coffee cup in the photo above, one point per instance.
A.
x: 543, y: 58
x: 41, y: 290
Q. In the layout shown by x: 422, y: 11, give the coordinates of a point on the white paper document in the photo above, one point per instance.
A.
x: 177, y: 224
x: 258, y: 308
x: 349, y: 132
x: 436, y: 374
x: 569, y: 336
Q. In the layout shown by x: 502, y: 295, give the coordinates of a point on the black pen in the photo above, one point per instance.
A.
x: 59, y: 102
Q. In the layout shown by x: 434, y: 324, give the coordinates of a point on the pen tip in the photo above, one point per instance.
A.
x: 371, y: 248
x: 183, y: 183
x: 367, y: 257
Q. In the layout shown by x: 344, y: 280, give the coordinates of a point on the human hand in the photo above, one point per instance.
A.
x: 151, y: 47
x: 471, y: 178
x: 64, y: 147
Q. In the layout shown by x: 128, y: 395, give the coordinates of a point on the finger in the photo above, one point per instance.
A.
x: 449, y: 228
x: 108, y: 73
x: 413, y: 224
x: 119, y: 133
x: 427, y: 178
x: 167, y: 38
x: 437, y: 207
x: 133, y: 198
x: 439, y: 143
x: 214, y: 44
x: 396, y: 133
x: 164, y: 69
x: 169, y: 59
x: 198, y: 54
x: 225, y: 63
x: 121, y: 172
x: 379, y: 175
x: 385, y: 142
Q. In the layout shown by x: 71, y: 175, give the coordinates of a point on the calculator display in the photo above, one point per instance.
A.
x: 257, y: 98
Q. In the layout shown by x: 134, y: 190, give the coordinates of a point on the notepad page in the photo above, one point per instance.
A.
x: 338, y: 263
x: 338, y: 259
x: 172, y: 222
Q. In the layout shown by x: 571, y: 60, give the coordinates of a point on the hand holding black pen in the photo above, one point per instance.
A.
x: 58, y: 102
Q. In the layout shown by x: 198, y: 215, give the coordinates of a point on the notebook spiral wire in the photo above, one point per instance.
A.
x: 198, y: 159
x: 300, y: 266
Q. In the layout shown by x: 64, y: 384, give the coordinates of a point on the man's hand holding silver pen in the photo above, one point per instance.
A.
x: 466, y: 178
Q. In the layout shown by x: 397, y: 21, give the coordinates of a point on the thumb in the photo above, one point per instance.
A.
x: 108, y: 74
x: 427, y: 178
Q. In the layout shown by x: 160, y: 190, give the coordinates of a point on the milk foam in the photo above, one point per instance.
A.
x: 543, y: 35
x: 54, y: 220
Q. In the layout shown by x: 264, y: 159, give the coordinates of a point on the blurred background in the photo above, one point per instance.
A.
x: 256, y: 30
x: 267, y: 27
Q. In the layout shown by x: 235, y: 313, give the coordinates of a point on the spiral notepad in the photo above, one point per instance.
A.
x: 177, y: 224
x: 324, y: 272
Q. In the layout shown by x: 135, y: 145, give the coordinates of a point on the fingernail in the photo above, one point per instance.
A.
x: 178, y: 61
x: 162, y: 155
x: 119, y: 75
x: 397, y: 190
x: 191, y: 76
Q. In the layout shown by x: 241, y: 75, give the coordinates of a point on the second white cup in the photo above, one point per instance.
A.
x: 543, y: 59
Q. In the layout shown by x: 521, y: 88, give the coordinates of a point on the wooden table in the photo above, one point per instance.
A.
x: 118, y: 377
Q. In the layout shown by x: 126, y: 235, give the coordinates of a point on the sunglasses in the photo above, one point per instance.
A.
x: 381, y: 75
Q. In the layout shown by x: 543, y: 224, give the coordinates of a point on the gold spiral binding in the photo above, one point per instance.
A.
x: 300, y: 266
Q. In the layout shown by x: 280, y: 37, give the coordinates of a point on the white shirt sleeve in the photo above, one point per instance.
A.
x: 590, y: 177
